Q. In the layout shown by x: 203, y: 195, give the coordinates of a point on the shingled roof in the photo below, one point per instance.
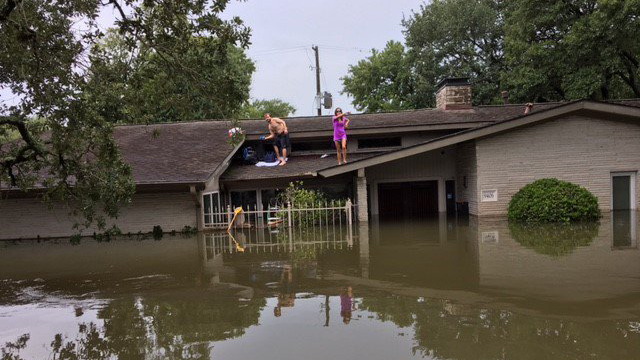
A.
x: 297, y: 167
x: 618, y: 109
x: 190, y: 152
x: 480, y: 115
x: 187, y: 152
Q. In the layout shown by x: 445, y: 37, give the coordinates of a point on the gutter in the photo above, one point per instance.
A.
x: 222, y: 167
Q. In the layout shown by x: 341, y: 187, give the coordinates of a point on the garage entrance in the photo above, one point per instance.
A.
x: 407, y: 200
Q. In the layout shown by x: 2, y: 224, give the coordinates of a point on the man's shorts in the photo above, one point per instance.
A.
x: 282, y: 141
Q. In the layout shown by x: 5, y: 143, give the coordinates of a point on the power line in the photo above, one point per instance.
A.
x: 343, y: 48
x: 306, y: 51
x: 279, y: 49
x: 324, y: 80
x: 275, y: 53
x: 304, y: 47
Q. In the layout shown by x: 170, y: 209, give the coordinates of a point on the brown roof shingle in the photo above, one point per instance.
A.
x: 297, y: 166
x: 478, y: 114
x: 174, y: 153
x: 189, y: 152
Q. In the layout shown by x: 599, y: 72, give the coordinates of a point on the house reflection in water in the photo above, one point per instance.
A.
x: 485, y: 256
x: 459, y: 288
x: 625, y: 231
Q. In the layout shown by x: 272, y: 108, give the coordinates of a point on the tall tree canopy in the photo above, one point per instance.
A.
x: 444, y: 38
x: 562, y: 50
x: 538, y: 50
x: 53, y: 70
x: 383, y: 81
x: 136, y: 84
x: 255, y: 109
x: 457, y: 38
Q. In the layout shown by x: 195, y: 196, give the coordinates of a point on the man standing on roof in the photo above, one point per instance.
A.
x: 280, y: 134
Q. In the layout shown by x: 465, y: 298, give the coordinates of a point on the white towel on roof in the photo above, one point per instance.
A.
x: 266, y: 164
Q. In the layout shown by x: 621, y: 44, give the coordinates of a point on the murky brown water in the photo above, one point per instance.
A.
x: 439, y: 289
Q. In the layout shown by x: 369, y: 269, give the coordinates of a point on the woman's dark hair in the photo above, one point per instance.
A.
x: 335, y: 112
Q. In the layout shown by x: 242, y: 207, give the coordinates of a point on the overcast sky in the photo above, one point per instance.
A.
x: 283, y: 32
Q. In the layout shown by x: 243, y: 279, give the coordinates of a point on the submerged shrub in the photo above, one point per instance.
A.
x: 554, y: 239
x: 188, y: 230
x: 301, y: 198
x: 553, y: 201
x: 157, y: 232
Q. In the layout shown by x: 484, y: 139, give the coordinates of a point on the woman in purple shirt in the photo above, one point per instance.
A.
x: 346, y: 304
x: 340, y: 124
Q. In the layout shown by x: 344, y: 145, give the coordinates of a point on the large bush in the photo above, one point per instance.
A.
x: 553, y: 201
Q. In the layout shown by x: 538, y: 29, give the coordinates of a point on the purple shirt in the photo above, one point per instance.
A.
x: 345, y: 302
x: 338, y: 128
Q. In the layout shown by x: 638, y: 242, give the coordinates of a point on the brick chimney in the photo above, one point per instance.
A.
x: 453, y: 94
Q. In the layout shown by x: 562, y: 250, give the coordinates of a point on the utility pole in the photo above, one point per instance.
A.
x: 318, y: 95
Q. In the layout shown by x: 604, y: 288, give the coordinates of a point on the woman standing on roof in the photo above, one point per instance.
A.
x: 340, y: 124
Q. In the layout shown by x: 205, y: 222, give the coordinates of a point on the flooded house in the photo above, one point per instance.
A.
x: 455, y: 158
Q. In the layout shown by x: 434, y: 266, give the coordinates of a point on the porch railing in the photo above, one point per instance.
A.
x: 267, y: 241
x: 322, y: 214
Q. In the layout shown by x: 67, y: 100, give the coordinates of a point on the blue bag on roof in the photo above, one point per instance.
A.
x: 270, y: 156
x: 249, y: 155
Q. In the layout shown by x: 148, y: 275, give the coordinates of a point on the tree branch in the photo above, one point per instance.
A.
x: 8, y: 7
x: 626, y: 55
x: 28, y: 152
x: 21, y: 126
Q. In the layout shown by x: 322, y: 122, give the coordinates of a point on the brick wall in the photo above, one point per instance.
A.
x: 581, y: 150
x: 28, y: 218
x: 454, y: 97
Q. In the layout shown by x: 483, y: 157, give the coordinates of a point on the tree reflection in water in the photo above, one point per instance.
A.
x: 142, y: 328
x: 446, y: 330
x: 455, y: 296
x: 10, y: 350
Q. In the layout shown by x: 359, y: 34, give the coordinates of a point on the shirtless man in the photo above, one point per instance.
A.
x: 280, y: 134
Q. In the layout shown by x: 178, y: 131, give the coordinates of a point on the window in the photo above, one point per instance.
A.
x: 372, y: 143
x: 312, y: 145
x: 212, y: 209
x: 245, y: 199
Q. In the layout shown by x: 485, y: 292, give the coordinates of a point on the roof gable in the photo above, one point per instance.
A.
x: 619, y: 109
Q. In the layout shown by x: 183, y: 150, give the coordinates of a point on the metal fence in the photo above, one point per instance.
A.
x: 283, y: 240
x: 292, y: 216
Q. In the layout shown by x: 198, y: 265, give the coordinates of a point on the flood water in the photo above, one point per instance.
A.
x: 444, y: 288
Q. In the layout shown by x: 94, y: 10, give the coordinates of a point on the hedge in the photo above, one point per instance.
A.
x: 553, y: 201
